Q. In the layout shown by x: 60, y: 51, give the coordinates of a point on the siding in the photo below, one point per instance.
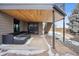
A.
x: 6, y: 25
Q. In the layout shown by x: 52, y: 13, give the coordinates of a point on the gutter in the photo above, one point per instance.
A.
x: 59, y: 10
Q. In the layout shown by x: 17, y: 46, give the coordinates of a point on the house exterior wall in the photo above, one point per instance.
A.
x: 40, y: 28
x: 47, y: 27
x: 6, y: 25
x: 23, y: 26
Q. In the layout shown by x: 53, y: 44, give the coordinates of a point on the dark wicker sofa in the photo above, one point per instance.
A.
x: 16, y: 38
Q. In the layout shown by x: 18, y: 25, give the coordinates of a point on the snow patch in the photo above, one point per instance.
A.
x: 23, y: 49
x: 26, y: 52
x: 49, y: 47
x: 23, y: 52
x: 68, y: 54
x: 29, y: 41
x: 73, y: 42
x: 67, y: 40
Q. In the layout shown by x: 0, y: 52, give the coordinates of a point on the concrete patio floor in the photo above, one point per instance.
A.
x: 38, y: 45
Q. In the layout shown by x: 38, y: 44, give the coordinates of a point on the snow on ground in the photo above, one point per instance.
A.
x: 23, y: 52
x: 67, y: 39
x: 50, y: 53
x: 29, y: 41
x: 20, y: 49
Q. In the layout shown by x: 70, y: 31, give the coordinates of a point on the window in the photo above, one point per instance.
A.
x: 33, y: 28
x: 16, y: 25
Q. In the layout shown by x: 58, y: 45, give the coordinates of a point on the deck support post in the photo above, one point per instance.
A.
x: 53, y: 29
x: 64, y: 29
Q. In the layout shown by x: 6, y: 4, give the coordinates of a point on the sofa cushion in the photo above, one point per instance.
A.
x: 21, y: 35
x: 19, y: 38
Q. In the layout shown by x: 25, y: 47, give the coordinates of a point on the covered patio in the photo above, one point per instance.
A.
x: 37, y: 45
x: 47, y: 14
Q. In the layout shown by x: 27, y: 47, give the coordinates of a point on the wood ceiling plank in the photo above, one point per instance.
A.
x: 33, y: 15
x: 15, y: 14
x: 24, y: 15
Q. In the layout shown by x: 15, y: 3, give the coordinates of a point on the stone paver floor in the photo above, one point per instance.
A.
x: 39, y: 45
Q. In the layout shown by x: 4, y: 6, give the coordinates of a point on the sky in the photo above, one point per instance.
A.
x: 69, y: 7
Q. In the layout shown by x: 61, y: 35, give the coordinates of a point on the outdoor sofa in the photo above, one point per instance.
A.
x: 16, y: 38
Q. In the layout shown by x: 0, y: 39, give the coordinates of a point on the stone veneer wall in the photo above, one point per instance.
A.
x: 40, y: 28
x: 6, y: 25
x: 47, y: 27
